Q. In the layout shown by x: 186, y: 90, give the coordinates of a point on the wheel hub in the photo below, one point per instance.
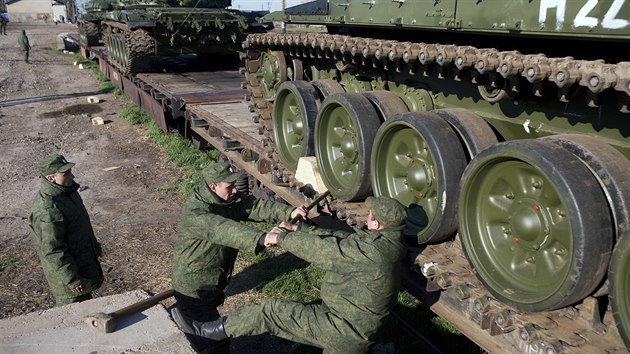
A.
x: 418, y: 177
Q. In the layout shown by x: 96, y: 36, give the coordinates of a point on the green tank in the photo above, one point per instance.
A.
x: 504, y: 122
x: 136, y: 32
x: 89, y: 22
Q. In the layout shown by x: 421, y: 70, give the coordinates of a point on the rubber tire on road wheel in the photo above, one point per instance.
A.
x: 610, y: 166
x: 474, y: 133
x: 386, y: 103
x: 344, y: 132
x: 531, y: 224
x: 417, y: 159
x: 327, y: 87
x: 294, y: 115
x: 619, y: 278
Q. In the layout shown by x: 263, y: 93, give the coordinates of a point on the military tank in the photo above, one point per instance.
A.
x: 136, y: 32
x: 504, y: 126
x: 89, y: 22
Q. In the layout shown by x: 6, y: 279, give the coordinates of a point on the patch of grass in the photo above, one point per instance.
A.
x: 134, y: 115
x: 7, y: 264
x: 301, y: 285
x: 184, y: 154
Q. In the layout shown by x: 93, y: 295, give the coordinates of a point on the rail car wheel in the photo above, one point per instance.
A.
x: 611, y: 168
x: 271, y: 73
x: 474, y: 132
x: 294, y: 114
x: 387, y: 104
x: 417, y: 159
x: 327, y: 87
x: 531, y: 225
x: 344, y: 132
x: 619, y: 278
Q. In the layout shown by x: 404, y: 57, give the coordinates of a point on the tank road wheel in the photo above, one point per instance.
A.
x: 611, y: 168
x: 418, y: 159
x: 473, y: 131
x: 294, y: 114
x: 619, y: 278
x: 387, y: 104
x: 272, y: 73
x: 528, y: 226
x: 344, y: 131
x: 327, y: 87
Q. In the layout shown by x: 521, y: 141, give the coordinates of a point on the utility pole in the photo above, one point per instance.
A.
x: 283, y: 27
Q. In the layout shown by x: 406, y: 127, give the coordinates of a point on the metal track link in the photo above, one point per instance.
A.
x: 500, y: 69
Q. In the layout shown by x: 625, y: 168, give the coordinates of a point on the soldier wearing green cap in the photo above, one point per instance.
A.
x: 62, y: 234
x: 210, y: 236
x: 358, y: 291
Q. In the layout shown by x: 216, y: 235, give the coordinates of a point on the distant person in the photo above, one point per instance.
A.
x: 3, y: 25
x: 45, y: 18
x: 210, y: 236
x: 61, y: 18
x: 62, y: 234
x: 24, y: 45
x: 358, y: 291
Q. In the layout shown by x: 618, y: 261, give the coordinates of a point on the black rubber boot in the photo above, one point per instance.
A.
x: 212, y: 329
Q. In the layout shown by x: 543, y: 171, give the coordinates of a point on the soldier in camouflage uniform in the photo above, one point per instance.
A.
x: 210, y: 236
x: 62, y: 234
x: 358, y: 291
x: 25, y: 46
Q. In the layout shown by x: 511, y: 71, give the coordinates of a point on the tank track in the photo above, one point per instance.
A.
x: 584, y: 327
x: 130, y: 51
x: 89, y: 34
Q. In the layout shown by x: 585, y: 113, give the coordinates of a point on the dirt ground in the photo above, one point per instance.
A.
x: 128, y: 185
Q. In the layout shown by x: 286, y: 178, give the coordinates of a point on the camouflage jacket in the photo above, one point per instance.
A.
x: 362, y: 271
x: 23, y: 42
x: 210, y: 235
x: 64, y: 241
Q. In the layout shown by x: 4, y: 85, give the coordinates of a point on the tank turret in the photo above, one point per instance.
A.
x: 137, y: 32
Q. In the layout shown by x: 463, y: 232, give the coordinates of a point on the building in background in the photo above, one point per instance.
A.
x: 39, y: 10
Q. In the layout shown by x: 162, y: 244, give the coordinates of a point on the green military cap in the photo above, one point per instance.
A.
x: 389, y: 212
x: 220, y: 172
x: 54, y: 164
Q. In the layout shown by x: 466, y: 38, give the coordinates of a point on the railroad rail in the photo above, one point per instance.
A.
x: 214, y: 108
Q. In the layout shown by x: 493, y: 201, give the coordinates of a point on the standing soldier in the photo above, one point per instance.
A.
x: 3, y: 25
x: 24, y: 45
x: 210, y: 236
x: 62, y: 234
x: 358, y: 291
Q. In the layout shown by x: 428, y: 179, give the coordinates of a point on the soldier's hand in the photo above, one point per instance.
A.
x: 300, y: 211
x: 288, y: 226
x: 271, y: 238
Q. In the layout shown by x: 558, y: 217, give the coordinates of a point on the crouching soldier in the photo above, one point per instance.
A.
x: 358, y: 291
x: 210, y: 236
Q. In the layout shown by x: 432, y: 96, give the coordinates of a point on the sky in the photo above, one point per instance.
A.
x: 271, y: 5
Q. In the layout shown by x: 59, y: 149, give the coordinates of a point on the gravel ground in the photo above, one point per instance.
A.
x: 126, y: 179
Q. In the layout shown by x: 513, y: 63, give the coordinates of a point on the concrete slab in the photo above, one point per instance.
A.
x: 62, y: 330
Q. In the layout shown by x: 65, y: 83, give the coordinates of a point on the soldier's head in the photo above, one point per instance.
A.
x: 385, y: 212
x: 220, y: 178
x: 56, y: 169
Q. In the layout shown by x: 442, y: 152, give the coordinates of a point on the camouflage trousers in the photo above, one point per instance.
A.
x: 26, y: 55
x: 312, y: 324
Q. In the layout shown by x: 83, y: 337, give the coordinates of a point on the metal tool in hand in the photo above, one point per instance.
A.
x: 310, y: 206
x: 106, y: 322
